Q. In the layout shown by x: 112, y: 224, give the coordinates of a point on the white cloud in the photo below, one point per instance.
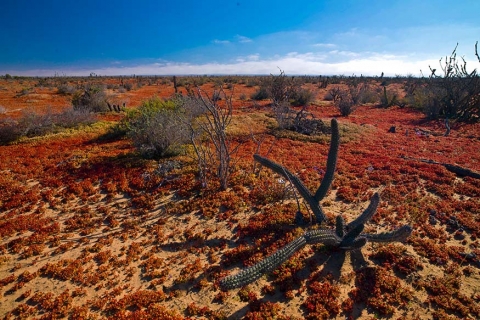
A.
x: 216, y: 41
x: 325, y: 45
x: 366, y: 63
x: 243, y: 39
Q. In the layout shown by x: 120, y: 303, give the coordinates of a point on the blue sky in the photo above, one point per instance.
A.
x: 72, y: 37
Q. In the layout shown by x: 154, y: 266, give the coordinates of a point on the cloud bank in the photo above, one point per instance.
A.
x: 367, y: 64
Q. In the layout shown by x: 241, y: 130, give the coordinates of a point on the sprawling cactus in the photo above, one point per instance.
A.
x: 345, y: 236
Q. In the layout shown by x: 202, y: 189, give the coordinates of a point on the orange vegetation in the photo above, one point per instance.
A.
x: 90, y: 230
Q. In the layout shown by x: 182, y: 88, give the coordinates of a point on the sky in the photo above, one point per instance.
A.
x: 158, y: 37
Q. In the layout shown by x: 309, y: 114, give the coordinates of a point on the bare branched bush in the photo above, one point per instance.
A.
x: 283, y: 114
x: 453, y: 94
x: 363, y: 93
x: 213, y: 147
x: 207, y: 118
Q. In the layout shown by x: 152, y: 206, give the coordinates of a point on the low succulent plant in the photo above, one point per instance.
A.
x: 344, y: 237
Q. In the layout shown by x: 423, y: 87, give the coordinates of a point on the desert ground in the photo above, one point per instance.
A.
x: 91, y: 230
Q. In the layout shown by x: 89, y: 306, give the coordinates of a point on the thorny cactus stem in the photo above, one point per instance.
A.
x: 269, y: 264
x: 331, y: 162
x: 345, y: 236
x: 312, y: 200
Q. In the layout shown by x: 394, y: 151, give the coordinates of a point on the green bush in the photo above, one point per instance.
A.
x: 93, y: 99
x: 260, y: 94
x: 302, y: 97
x: 345, y: 104
x: 156, y: 128
x: 65, y: 89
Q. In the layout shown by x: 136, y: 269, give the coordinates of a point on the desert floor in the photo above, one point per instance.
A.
x: 90, y: 230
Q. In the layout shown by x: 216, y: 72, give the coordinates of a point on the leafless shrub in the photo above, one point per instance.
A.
x: 455, y: 94
x: 281, y: 88
x: 208, y: 133
x: 37, y: 125
x: 286, y: 91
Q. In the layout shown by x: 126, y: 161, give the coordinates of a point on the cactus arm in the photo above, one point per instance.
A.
x: 401, y: 234
x: 350, y: 236
x: 304, y: 192
x: 325, y: 236
x: 357, y: 243
x: 366, y: 214
x: 340, y: 228
x: 331, y: 163
x: 268, y: 264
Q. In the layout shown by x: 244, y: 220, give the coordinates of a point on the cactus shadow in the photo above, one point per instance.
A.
x: 334, y: 262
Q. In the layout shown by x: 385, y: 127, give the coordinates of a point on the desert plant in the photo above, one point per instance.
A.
x: 31, y: 124
x: 210, y: 129
x: 24, y: 92
x: 456, y: 93
x: 302, y: 97
x: 65, y: 89
x: 343, y: 237
x: 93, y: 99
x: 260, y: 94
x: 388, y: 98
x: 345, y: 103
x: 155, y: 130
x: 9, y: 131
x: 364, y: 93
x: 333, y: 94
x: 71, y: 118
x: 281, y: 88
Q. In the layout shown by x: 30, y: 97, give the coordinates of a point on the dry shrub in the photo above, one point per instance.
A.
x: 33, y: 125
x: 93, y: 99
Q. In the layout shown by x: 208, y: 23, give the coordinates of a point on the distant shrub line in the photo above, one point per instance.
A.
x: 33, y: 124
